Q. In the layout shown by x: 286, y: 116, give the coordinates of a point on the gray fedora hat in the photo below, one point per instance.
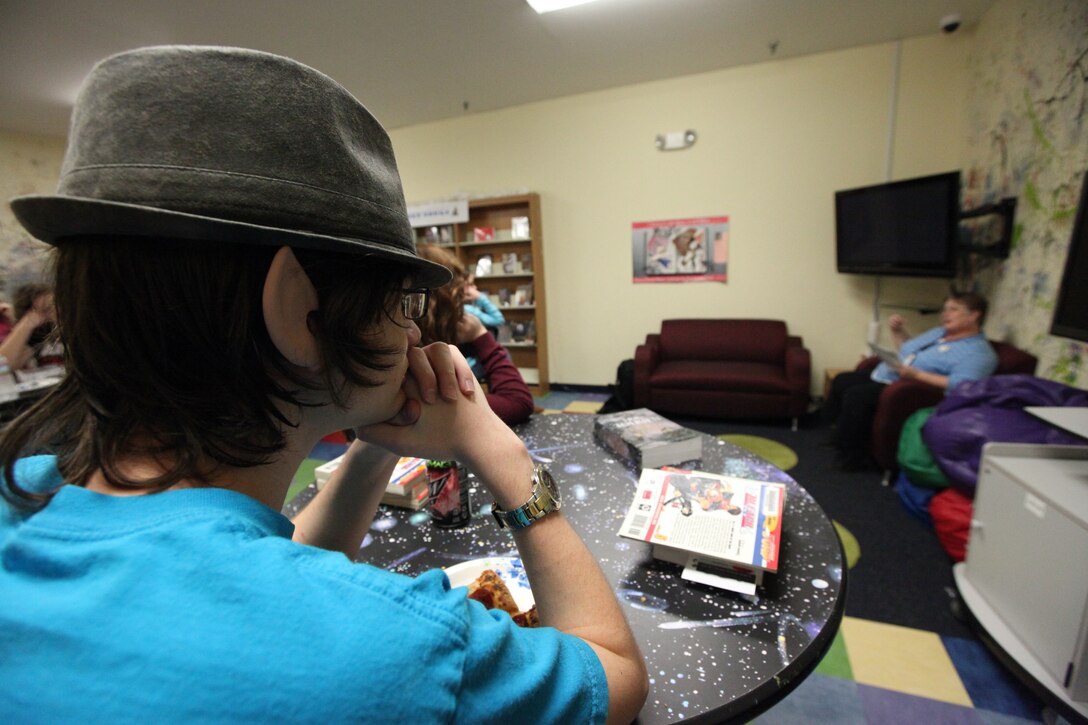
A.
x: 232, y: 145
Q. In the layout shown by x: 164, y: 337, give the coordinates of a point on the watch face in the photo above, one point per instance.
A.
x: 549, y: 483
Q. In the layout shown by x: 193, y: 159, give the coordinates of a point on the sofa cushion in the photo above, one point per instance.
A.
x: 748, y: 340
x: 739, y: 377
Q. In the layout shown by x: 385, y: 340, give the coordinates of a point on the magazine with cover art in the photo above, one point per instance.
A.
x: 725, y: 531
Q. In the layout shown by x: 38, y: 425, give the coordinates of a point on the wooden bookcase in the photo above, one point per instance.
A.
x: 517, y: 271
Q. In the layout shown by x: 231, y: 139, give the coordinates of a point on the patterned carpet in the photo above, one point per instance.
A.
x: 876, y: 673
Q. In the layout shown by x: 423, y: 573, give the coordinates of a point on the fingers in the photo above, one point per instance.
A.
x: 443, y: 365
x: 440, y: 371
x: 422, y: 375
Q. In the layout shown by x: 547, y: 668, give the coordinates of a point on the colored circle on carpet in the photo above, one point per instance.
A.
x: 850, y: 545
x: 771, y: 451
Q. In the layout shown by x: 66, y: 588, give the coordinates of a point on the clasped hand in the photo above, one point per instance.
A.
x: 445, y: 414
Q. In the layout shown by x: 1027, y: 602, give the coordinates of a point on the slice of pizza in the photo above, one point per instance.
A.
x: 528, y: 618
x: 491, y: 591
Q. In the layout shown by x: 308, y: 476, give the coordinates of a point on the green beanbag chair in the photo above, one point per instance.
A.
x: 914, y: 457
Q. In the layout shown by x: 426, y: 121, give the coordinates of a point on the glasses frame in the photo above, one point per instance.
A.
x: 414, y: 301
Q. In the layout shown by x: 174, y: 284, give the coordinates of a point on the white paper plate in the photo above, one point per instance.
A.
x: 507, y: 567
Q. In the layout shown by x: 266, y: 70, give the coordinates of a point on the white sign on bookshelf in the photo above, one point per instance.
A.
x: 454, y: 211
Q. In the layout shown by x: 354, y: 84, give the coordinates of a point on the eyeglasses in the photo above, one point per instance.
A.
x: 414, y: 303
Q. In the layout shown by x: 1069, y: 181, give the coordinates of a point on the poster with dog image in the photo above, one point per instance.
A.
x: 680, y: 250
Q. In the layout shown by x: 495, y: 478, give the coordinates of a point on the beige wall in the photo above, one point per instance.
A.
x: 775, y: 141
x: 28, y: 165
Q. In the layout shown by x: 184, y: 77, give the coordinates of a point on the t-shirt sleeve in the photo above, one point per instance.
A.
x: 516, y: 674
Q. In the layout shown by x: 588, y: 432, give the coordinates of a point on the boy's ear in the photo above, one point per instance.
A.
x: 289, y: 297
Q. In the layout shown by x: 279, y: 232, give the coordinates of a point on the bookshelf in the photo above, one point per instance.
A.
x: 516, y: 280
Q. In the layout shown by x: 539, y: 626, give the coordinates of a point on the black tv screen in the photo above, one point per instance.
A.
x: 1071, y: 308
x: 907, y: 228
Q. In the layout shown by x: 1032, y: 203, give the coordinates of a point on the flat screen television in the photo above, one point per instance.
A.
x: 903, y: 228
x: 1071, y: 307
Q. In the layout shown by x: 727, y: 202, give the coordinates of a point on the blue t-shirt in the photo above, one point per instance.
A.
x: 195, y: 605
x: 968, y: 358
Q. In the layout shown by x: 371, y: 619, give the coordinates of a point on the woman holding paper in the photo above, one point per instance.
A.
x: 943, y: 356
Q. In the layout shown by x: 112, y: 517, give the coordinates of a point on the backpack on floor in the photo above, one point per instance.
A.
x: 623, y: 392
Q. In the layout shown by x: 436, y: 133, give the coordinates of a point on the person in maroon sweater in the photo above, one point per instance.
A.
x: 447, y: 321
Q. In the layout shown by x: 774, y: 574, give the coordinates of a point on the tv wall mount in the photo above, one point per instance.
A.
x: 1005, y: 210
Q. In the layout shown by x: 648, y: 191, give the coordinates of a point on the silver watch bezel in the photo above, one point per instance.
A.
x: 544, y: 499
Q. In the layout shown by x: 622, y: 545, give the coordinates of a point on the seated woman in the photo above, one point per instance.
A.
x: 29, y: 343
x: 944, y: 356
x: 447, y: 321
x: 479, y: 304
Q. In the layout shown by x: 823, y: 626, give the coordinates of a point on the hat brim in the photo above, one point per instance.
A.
x: 52, y: 219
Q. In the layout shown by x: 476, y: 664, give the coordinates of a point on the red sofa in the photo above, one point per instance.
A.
x: 903, y: 397
x: 723, y: 369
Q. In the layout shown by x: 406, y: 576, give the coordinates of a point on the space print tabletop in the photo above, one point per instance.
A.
x: 712, y: 655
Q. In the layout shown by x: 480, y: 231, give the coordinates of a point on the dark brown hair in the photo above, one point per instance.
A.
x: 973, y: 301
x: 447, y: 303
x: 24, y: 297
x: 168, y: 355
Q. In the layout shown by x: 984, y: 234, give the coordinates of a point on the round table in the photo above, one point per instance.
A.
x: 713, y: 656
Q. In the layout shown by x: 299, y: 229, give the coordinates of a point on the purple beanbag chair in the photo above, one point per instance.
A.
x: 992, y: 410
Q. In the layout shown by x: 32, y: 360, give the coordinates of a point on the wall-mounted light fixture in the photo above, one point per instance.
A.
x: 547, y: 6
x: 675, y: 140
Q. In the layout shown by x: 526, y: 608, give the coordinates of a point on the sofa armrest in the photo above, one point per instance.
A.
x: 897, y: 402
x: 798, y: 375
x: 868, y: 363
x: 647, y: 356
x: 798, y: 366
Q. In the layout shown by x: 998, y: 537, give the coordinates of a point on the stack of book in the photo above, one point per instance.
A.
x: 407, y: 487
x: 647, y: 439
x: 723, y: 531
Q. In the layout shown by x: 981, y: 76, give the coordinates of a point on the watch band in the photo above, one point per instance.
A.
x: 542, y: 501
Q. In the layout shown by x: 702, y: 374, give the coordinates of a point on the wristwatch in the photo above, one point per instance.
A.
x: 544, y: 499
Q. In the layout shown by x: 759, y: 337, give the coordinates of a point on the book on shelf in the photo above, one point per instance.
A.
x: 519, y: 227
x: 483, y: 234
x: 510, y: 264
x: 505, y: 332
x: 504, y: 296
x: 526, y: 263
x: 723, y: 531
x: 523, y: 295
x: 646, y: 439
x: 407, y: 487
x: 483, y: 265
x: 438, y: 234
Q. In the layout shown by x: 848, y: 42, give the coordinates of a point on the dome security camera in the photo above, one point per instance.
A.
x: 950, y: 23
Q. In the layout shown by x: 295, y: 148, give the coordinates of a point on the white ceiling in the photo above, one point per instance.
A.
x: 413, y: 61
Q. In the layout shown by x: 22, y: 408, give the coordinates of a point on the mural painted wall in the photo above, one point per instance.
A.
x: 1028, y: 111
x: 30, y: 165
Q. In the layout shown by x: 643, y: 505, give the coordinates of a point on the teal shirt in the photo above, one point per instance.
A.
x: 196, y: 606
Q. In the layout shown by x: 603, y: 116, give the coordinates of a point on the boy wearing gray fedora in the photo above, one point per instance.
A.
x: 235, y: 277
